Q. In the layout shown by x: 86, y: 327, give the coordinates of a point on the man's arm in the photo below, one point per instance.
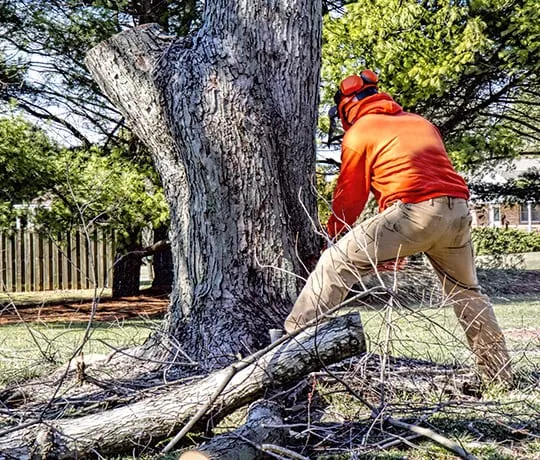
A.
x: 351, y: 193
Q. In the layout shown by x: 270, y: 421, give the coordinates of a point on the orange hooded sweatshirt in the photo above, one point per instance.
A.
x: 394, y: 154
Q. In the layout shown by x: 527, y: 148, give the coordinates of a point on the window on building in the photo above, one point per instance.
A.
x: 524, y: 213
x: 496, y: 214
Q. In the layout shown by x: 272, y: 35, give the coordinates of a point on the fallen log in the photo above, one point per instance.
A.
x: 142, y: 424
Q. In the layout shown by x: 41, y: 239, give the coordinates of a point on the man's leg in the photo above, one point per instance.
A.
x: 374, y: 241
x: 456, y: 270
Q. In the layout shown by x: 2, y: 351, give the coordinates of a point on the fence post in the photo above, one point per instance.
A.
x: 3, y: 269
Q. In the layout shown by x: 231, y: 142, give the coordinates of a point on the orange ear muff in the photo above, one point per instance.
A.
x: 345, y: 102
x: 349, y: 89
x: 354, y: 83
x: 369, y: 77
x: 351, y: 85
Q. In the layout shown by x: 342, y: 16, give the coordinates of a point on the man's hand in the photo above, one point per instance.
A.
x: 393, y: 265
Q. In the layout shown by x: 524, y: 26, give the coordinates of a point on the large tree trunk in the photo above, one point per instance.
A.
x: 230, y: 120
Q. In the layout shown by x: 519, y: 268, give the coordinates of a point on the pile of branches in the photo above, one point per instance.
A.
x: 367, y: 405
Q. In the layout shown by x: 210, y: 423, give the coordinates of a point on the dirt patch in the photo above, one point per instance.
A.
x: 74, y: 312
x: 494, y: 283
x: 524, y: 334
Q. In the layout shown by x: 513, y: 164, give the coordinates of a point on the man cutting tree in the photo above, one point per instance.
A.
x: 400, y: 158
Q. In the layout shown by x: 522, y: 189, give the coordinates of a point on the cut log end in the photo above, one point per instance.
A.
x: 194, y: 455
x: 245, y: 442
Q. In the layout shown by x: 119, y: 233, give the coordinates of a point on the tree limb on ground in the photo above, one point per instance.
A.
x: 154, y: 418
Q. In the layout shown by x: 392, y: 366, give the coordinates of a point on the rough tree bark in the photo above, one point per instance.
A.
x: 229, y: 117
x: 264, y: 425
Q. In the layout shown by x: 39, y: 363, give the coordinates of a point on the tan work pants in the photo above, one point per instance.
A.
x: 438, y: 227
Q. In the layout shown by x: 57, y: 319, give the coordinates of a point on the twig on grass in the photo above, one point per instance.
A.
x: 434, y: 436
x: 278, y: 452
x: 281, y: 452
x: 426, y: 432
x: 397, y: 440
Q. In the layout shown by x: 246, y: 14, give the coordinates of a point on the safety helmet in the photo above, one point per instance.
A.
x: 354, y: 88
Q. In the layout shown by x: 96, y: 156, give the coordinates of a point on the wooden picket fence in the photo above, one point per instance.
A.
x: 30, y: 261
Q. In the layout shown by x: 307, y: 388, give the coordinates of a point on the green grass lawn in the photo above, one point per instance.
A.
x: 33, y: 349
x: 435, y: 334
